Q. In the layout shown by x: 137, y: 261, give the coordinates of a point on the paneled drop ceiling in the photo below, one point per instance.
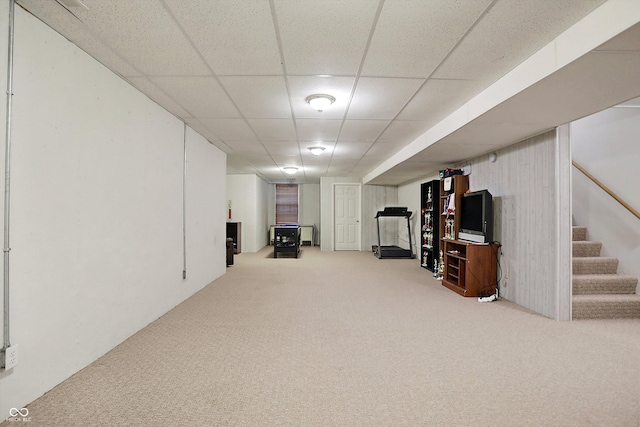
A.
x: 238, y: 72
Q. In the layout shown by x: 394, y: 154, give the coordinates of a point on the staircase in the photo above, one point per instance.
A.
x: 598, y: 291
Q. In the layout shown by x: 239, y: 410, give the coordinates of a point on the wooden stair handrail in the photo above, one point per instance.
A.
x: 606, y: 189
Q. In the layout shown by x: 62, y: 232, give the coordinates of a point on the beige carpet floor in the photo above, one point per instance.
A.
x: 346, y: 339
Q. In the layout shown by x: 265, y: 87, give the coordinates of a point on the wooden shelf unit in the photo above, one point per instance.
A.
x: 470, y: 269
x: 459, y: 186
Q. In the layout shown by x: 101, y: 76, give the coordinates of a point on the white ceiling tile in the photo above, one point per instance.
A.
x: 282, y: 148
x: 301, y: 87
x: 239, y: 164
x: 338, y: 171
x: 150, y: 89
x: 365, y: 164
x: 259, y: 159
x: 234, y: 37
x: 351, y: 150
x: 316, y: 161
x: 259, y: 97
x: 156, y: 33
x: 314, y: 34
x: 402, y: 132
x: 230, y: 129
x: 316, y: 169
x: 413, y: 36
x: 381, y: 98
x: 382, y: 151
x: 318, y: 130
x: 507, y: 35
x: 346, y: 163
x: 222, y: 146
x: 273, y: 129
x: 275, y: 177
x: 224, y: 44
x: 311, y: 177
x: 58, y: 18
x: 200, y: 96
x: 362, y: 130
x: 283, y: 161
x: 197, y: 125
x: 254, y: 148
x: 109, y: 59
x: 437, y: 99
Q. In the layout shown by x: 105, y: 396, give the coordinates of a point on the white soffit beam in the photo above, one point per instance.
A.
x: 604, y: 23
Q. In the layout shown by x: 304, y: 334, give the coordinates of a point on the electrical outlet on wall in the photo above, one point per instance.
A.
x: 10, y: 357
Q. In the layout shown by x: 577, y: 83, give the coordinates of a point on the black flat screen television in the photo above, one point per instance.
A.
x: 476, y: 220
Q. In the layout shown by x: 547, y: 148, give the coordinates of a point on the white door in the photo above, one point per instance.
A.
x: 347, y: 217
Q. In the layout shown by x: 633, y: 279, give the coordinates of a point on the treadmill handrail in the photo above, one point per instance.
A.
x: 395, y: 211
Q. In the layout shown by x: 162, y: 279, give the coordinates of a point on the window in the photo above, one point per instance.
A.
x: 286, y: 203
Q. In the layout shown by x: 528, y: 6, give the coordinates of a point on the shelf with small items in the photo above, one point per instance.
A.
x: 451, y: 191
x: 429, y: 221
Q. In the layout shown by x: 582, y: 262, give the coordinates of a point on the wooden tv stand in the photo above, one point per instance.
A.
x: 470, y: 269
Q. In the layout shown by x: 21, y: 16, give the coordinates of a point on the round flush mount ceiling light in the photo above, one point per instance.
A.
x: 320, y: 101
x: 290, y: 169
x: 317, y: 150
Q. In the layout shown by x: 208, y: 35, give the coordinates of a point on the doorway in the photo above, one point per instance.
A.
x: 346, y: 216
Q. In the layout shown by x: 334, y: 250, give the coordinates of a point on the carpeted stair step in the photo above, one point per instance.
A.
x: 579, y: 233
x: 586, y: 248
x: 595, y: 265
x: 606, y: 306
x: 591, y: 284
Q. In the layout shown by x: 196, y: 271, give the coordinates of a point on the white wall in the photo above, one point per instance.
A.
x: 607, y: 145
x: 526, y: 182
x: 4, y: 49
x: 97, y: 212
x: 310, y: 206
x: 254, y: 204
x: 529, y: 183
x: 262, y: 213
x: 249, y: 196
x: 205, y: 210
x: 373, y: 199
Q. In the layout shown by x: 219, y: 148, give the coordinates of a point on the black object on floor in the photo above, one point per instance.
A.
x: 393, y: 251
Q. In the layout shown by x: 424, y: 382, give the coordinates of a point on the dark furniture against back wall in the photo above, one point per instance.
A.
x: 286, y: 240
x: 234, y: 232
x: 229, y: 251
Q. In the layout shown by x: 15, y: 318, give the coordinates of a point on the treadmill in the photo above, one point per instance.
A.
x: 393, y: 251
